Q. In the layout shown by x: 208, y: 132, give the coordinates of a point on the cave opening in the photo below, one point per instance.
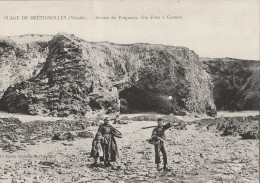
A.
x: 20, y: 104
x: 134, y: 100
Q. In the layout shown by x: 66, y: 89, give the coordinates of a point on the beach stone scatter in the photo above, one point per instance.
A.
x: 194, y: 155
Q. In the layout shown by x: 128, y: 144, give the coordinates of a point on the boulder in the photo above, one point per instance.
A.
x: 85, y: 134
x: 250, y: 135
x: 63, y: 136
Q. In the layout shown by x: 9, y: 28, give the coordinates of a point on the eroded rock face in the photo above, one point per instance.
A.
x: 80, y: 77
x: 236, y: 83
x: 20, y: 60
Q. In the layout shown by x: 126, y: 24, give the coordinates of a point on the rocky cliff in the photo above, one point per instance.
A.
x: 21, y: 57
x: 236, y: 83
x: 80, y: 77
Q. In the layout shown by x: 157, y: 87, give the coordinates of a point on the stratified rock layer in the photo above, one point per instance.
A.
x: 236, y: 83
x: 81, y: 77
x: 21, y: 57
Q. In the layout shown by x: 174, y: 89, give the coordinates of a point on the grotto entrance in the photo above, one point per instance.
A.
x: 136, y: 100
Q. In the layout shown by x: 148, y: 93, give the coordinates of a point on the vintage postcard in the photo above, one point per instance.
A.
x: 129, y: 91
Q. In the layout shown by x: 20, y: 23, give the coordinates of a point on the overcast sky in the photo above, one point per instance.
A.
x: 221, y: 28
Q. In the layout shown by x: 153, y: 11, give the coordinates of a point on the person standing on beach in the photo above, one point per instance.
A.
x: 110, y: 150
x: 97, y: 150
x: 158, y: 138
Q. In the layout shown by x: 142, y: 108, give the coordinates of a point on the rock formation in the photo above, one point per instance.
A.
x: 21, y: 57
x: 236, y: 83
x: 82, y: 77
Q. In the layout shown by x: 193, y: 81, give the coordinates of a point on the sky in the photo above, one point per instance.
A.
x: 223, y: 28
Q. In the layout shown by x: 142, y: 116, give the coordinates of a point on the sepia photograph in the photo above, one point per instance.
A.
x: 127, y: 91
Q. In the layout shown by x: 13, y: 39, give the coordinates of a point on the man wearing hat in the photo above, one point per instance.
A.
x: 109, y: 146
x: 158, y: 138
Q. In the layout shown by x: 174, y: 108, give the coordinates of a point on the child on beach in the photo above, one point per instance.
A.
x: 97, y: 151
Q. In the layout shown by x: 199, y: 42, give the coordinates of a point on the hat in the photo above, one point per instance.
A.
x: 105, y: 117
x: 160, y: 119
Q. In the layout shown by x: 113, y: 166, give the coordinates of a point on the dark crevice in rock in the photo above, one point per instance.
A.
x: 18, y: 104
x: 94, y: 105
x: 134, y: 100
x: 137, y: 100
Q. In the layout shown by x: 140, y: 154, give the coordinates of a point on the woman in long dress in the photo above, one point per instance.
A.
x: 109, y: 133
